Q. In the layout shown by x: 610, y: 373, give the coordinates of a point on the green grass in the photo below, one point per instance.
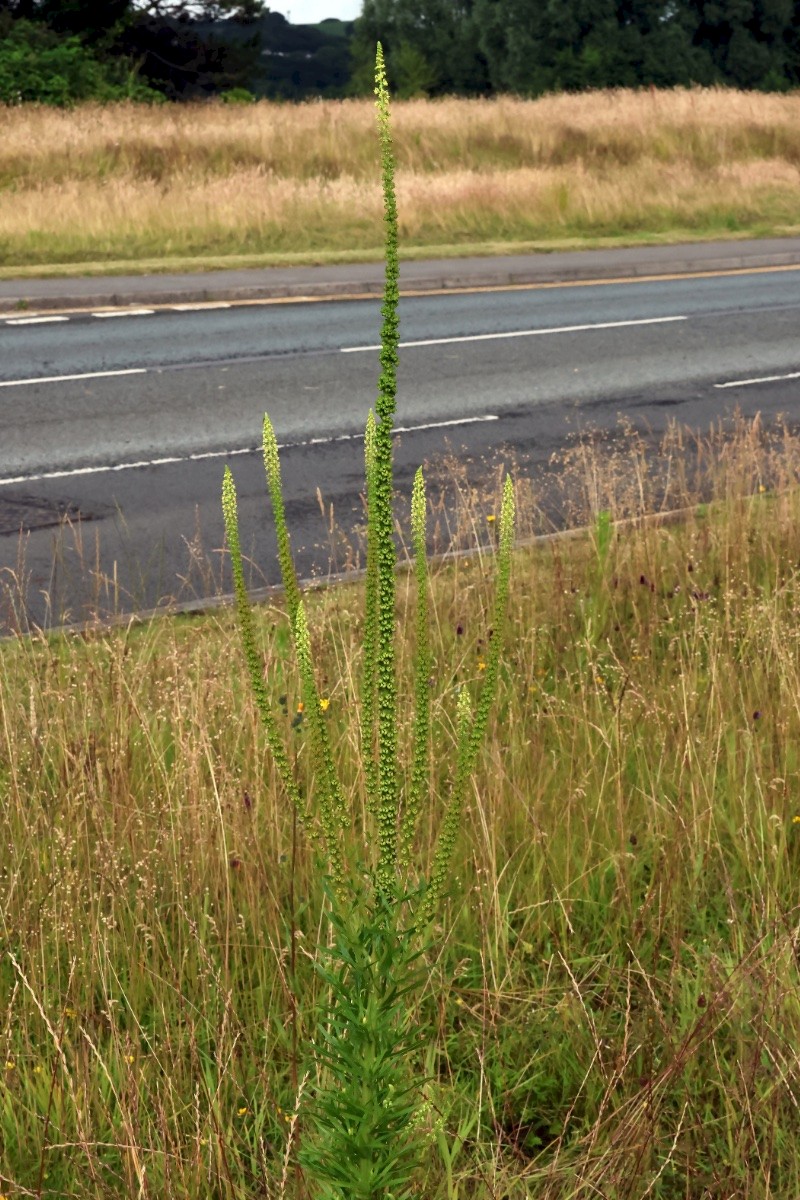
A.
x: 51, y: 258
x: 612, y: 1002
x: 234, y: 262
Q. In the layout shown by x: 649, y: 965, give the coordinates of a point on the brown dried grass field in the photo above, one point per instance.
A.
x: 297, y: 183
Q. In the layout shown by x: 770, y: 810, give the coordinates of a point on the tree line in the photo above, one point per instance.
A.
x: 63, y: 51
x: 529, y: 47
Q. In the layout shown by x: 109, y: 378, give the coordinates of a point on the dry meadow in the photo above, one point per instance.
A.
x: 297, y: 183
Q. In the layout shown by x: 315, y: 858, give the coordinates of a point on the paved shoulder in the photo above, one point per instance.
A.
x: 425, y: 275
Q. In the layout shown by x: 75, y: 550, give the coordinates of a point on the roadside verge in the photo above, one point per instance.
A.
x: 359, y: 280
x: 205, y: 605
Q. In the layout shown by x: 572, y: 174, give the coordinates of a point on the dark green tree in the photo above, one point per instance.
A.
x: 748, y: 43
x: 183, y: 58
x: 95, y: 25
x: 661, y: 43
x: 432, y: 47
x: 39, y: 64
x: 172, y: 45
x: 535, y: 46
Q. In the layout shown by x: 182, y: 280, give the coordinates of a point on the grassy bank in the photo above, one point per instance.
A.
x: 612, y: 1009
x: 281, y: 183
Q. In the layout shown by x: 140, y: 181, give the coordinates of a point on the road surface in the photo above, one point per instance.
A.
x: 122, y: 421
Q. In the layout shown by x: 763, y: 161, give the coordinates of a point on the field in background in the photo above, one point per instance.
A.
x: 295, y: 183
x: 613, y: 1006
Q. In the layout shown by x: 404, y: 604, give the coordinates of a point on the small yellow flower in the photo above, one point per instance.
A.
x: 323, y: 703
x: 203, y: 1141
x: 10, y: 1065
x: 761, y: 487
x: 241, y: 1111
x: 491, y: 517
x: 37, y: 1070
x: 796, y: 820
x: 481, y: 665
x: 70, y: 1012
x: 129, y: 1058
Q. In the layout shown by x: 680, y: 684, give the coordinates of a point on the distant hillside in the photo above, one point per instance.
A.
x: 295, y: 61
x: 335, y: 27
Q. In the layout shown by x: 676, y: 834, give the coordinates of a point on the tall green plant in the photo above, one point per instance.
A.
x: 366, y: 1114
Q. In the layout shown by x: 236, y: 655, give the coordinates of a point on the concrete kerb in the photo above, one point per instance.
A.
x: 210, y: 604
x: 17, y: 297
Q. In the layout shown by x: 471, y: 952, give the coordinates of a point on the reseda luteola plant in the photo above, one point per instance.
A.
x: 367, y: 1112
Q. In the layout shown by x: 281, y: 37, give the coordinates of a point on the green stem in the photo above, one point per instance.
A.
x: 382, y: 516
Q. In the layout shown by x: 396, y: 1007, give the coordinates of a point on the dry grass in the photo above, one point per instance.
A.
x: 127, y: 182
x: 613, y: 1009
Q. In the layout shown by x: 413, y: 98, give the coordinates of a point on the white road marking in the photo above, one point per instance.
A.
x: 65, y: 378
x: 458, y: 290
x: 352, y: 437
x: 230, y: 453
x: 202, y: 306
x: 34, y: 320
x: 128, y: 312
x: 763, y: 379
x: 485, y: 337
x: 160, y: 462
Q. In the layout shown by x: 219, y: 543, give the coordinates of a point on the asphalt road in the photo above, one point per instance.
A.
x: 126, y: 420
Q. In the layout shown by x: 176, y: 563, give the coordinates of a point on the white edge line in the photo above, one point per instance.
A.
x: 130, y: 312
x: 441, y: 424
x: 485, y: 337
x: 222, y: 453
x: 34, y: 320
x: 160, y: 462
x: 541, y: 285
x: 764, y: 379
x: 66, y: 378
x: 201, y: 306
